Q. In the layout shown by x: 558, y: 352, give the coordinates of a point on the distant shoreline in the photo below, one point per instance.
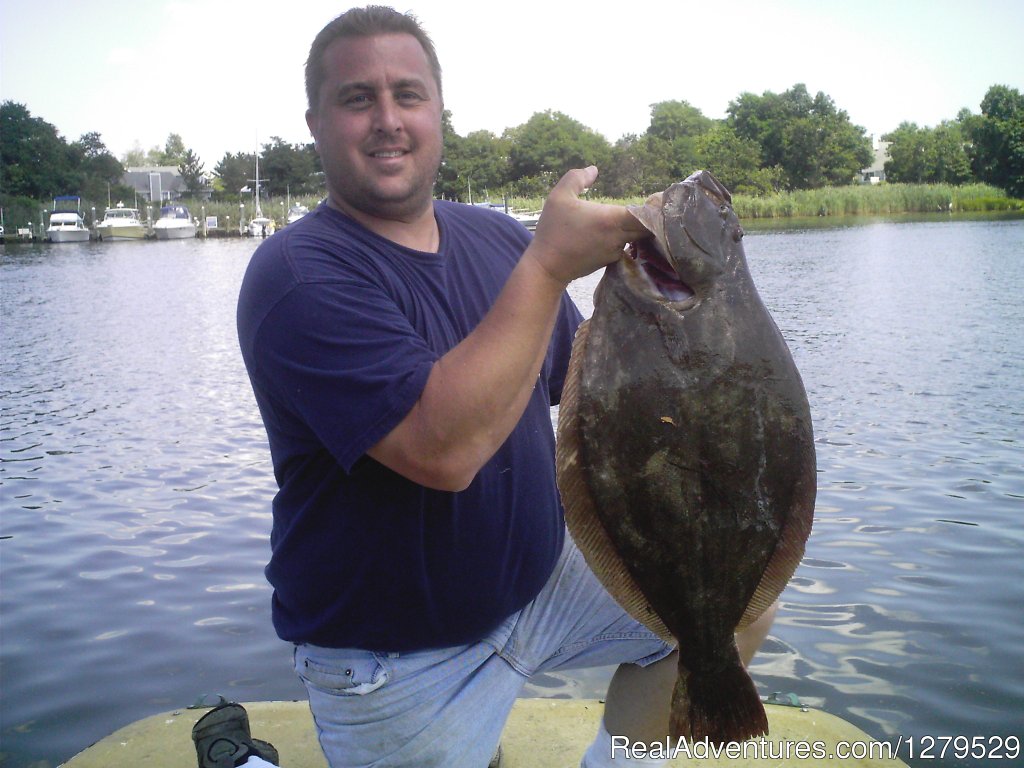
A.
x: 857, y: 200
x: 826, y: 202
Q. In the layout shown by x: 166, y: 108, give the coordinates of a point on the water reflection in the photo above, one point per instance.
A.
x: 136, y: 485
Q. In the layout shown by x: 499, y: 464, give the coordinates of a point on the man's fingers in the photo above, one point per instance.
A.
x: 575, y: 237
x: 578, y: 180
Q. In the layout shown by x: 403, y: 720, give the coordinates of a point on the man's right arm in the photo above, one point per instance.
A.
x: 477, y: 392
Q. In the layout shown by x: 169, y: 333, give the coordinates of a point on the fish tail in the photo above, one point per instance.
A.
x: 720, y: 706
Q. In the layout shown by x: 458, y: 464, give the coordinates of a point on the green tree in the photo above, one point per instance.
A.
x: 907, y: 154
x: 234, y: 172
x: 286, y: 168
x: 447, y: 184
x: 35, y: 161
x: 812, y: 140
x: 476, y: 164
x: 764, y: 119
x: 639, y: 166
x: 997, y: 135
x: 101, y: 171
x: 549, y: 144
x: 671, y: 120
x: 174, y: 150
x: 479, y: 162
x: 823, y: 148
x: 134, y: 157
x: 155, y: 157
x: 191, y: 170
x: 949, y: 160
x: 927, y: 155
x: 137, y: 157
x: 485, y: 160
x: 735, y: 161
x: 679, y: 125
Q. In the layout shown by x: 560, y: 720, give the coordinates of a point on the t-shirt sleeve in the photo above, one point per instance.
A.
x: 343, y: 358
x: 560, y: 349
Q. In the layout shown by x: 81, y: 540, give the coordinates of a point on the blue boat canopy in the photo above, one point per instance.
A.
x: 175, y: 212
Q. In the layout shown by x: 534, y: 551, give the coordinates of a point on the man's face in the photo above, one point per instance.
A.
x: 377, y: 126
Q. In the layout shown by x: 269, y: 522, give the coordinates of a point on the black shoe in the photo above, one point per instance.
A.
x: 223, y: 740
x: 266, y: 750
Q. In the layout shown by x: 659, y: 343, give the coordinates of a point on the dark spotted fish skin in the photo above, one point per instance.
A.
x: 685, y: 452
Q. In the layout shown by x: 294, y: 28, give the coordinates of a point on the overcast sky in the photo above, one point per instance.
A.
x: 225, y: 74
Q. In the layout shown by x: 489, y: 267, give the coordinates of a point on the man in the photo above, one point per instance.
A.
x: 404, y: 353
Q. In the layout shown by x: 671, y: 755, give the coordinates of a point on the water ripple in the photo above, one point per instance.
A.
x: 137, y: 485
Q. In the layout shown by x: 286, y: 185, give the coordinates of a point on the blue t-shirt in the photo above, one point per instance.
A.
x: 339, y: 328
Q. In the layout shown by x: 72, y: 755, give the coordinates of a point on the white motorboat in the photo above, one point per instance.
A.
x: 528, y: 220
x: 260, y: 225
x: 66, y: 222
x: 175, y: 223
x: 120, y: 223
x: 296, y: 212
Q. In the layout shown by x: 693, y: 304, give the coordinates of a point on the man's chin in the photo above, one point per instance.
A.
x: 384, y: 203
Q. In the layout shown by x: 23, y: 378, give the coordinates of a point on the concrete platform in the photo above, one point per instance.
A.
x: 541, y: 733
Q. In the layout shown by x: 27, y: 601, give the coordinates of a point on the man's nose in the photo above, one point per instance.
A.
x: 387, y: 116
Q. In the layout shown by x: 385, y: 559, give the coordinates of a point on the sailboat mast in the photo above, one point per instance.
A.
x: 258, y: 211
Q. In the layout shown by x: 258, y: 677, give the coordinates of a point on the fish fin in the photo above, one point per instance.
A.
x: 787, y: 555
x: 721, y: 706
x: 580, y: 518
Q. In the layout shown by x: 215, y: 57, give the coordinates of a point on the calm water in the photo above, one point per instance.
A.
x: 136, y: 485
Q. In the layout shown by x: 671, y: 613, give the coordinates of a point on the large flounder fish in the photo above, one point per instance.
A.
x: 685, y: 453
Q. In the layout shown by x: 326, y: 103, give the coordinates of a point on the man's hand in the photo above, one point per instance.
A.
x: 576, y: 237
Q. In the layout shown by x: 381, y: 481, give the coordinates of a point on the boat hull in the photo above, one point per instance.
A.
x: 174, y: 233
x: 67, y: 235
x: 121, y: 232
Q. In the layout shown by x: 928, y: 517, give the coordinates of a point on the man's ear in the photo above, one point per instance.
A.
x: 311, y: 123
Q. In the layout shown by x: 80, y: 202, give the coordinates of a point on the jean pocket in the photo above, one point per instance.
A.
x: 342, y: 672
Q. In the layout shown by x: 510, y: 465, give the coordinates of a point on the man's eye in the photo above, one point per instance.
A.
x: 358, y: 100
x: 407, y: 96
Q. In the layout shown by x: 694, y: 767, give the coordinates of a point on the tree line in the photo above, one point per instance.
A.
x: 988, y: 147
x: 766, y: 143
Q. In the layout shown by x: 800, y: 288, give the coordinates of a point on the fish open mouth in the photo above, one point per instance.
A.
x: 658, y: 272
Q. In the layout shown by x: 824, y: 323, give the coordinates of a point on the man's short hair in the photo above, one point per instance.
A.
x: 364, y: 22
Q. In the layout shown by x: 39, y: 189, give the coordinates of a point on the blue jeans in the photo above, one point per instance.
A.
x: 447, y: 707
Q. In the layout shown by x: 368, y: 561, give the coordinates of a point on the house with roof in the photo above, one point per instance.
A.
x: 155, y: 183
x: 875, y: 173
x: 158, y: 183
